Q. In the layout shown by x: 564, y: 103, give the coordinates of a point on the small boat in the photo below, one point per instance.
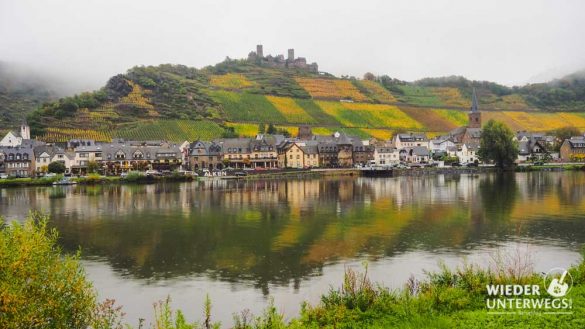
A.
x: 64, y: 181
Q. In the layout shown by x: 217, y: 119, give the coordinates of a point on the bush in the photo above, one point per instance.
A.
x: 40, y: 288
x: 56, y: 167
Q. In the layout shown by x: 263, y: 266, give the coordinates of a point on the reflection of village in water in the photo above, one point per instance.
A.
x: 275, y: 231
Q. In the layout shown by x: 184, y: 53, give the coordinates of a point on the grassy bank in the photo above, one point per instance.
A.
x: 42, y: 288
x: 90, y: 179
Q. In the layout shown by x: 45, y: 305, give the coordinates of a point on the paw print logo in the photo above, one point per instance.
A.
x: 558, y: 282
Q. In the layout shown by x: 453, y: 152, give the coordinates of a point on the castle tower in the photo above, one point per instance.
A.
x: 474, y: 114
x: 24, y: 130
x: 291, y: 55
x: 259, y: 51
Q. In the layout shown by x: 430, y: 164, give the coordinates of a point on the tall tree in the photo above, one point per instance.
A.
x: 564, y: 133
x: 497, y: 144
x: 271, y: 129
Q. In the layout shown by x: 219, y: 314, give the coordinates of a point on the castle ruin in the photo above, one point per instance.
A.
x: 279, y: 61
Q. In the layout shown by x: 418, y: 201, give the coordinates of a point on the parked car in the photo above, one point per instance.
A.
x: 50, y: 174
x: 539, y: 163
x: 152, y: 173
x: 240, y: 173
x: 3, y: 176
x: 472, y: 164
x: 455, y: 164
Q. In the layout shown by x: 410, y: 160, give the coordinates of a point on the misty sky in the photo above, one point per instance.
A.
x: 510, y: 42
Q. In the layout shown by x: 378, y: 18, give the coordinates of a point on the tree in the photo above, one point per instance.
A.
x: 261, y: 128
x: 92, y: 167
x: 564, y: 133
x: 41, y: 288
x: 56, y: 167
x: 369, y: 76
x: 271, y: 129
x: 497, y: 144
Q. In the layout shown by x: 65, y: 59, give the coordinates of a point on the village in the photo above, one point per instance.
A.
x: 21, y: 156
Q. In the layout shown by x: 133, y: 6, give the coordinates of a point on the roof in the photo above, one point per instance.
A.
x: 577, y: 142
x: 474, y: 103
x: 420, y: 151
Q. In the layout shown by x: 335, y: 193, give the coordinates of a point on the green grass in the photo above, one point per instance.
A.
x: 247, y: 107
x: 316, y: 112
x: 421, y: 96
x: 173, y: 130
x: 459, y: 118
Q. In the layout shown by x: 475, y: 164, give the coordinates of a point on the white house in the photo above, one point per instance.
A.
x: 13, y: 139
x: 401, y: 141
x: 440, y: 144
x: 418, y: 154
x: 384, y: 156
x: 467, y: 153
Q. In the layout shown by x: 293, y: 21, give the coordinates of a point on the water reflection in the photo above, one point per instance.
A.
x: 280, y: 232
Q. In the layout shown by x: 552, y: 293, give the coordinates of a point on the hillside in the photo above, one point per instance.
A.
x: 21, y: 91
x: 233, y: 97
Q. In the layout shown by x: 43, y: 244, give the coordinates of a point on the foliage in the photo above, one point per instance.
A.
x: 368, y: 115
x: 317, y: 112
x: 92, y: 167
x: 266, y: 80
x: 64, y: 134
x: 173, y: 130
x: 56, y: 167
x: 290, y: 110
x: 230, y: 81
x: 331, y: 89
x: 497, y: 144
x: 248, y: 107
x: 563, y: 133
x: 39, y: 287
x: 375, y: 91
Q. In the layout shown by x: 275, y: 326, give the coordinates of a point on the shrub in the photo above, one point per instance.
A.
x: 56, y: 167
x: 39, y: 287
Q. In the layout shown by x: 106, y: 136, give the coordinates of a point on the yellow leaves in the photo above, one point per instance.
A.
x: 136, y: 97
x: 290, y: 109
x: 379, y: 93
x: 244, y: 129
x: 65, y: 134
x: 450, y: 96
x: 331, y: 89
x: 231, y: 81
x: 363, y: 115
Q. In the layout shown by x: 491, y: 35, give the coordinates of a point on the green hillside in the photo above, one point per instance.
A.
x: 20, y: 93
x: 178, y: 102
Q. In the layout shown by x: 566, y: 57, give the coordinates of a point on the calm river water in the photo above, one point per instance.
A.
x: 244, y: 242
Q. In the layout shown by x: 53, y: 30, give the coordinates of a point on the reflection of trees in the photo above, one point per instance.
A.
x: 498, y: 195
x: 280, y: 231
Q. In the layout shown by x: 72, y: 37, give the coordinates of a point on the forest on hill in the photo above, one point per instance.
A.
x: 234, y: 97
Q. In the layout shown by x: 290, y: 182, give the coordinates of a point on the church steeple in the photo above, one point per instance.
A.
x: 474, y: 114
x: 474, y: 107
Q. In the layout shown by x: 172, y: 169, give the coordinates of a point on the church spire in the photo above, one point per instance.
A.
x: 474, y: 107
x: 474, y: 115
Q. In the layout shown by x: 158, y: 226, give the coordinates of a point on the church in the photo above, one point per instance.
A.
x: 13, y: 138
x: 470, y: 134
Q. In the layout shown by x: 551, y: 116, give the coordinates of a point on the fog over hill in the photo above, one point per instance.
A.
x: 87, y: 42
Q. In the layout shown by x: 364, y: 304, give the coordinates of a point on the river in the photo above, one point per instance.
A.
x: 245, y: 242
